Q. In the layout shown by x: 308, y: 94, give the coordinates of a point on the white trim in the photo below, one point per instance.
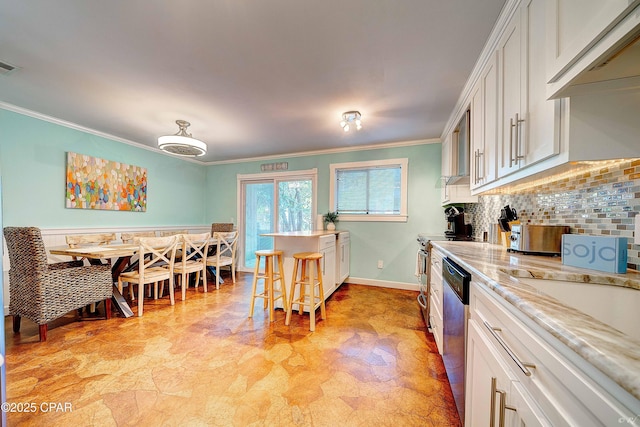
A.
x: 373, y: 218
x: 381, y: 146
x: 90, y: 131
x: 404, y: 189
x: 276, y: 174
x: 274, y: 177
x: 383, y: 283
x: 57, y: 121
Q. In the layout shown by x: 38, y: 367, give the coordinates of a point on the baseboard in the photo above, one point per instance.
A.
x: 383, y: 283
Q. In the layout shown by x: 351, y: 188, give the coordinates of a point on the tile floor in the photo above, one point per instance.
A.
x: 204, y: 363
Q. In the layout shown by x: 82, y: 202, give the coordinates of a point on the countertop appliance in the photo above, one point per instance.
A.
x: 458, y: 224
x: 537, y: 238
x: 454, y: 316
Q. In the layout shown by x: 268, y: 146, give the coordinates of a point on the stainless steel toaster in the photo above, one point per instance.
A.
x: 537, y: 238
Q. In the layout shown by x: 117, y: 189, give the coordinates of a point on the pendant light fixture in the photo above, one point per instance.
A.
x: 350, y: 119
x: 182, y: 143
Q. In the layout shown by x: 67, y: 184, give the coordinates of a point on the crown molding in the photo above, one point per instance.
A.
x: 71, y: 125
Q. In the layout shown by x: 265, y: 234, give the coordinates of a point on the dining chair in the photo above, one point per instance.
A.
x: 195, y: 246
x: 225, y: 254
x: 165, y: 233
x: 75, y: 240
x: 221, y: 227
x: 43, y: 292
x: 156, y: 263
x: 129, y: 237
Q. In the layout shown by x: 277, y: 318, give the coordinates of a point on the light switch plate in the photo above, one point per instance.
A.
x: 636, y: 234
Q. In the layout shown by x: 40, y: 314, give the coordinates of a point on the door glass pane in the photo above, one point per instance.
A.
x: 294, y: 206
x: 259, y: 219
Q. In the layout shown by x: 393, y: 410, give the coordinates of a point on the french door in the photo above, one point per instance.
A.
x: 272, y: 203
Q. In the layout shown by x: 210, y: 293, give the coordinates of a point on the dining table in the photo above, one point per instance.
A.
x: 123, y: 252
x: 96, y: 254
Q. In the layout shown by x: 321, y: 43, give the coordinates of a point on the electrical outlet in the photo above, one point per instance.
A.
x: 380, y: 263
x: 636, y: 234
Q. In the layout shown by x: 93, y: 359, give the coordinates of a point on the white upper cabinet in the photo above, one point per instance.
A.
x: 583, y: 34
x: 529, y: 131
x: 456, y: 192
x: 484, y: 125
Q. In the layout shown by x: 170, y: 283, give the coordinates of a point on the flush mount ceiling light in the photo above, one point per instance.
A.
x: 182, y: 143
x: 349, y: 119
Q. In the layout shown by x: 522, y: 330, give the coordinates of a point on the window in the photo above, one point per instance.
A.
x: 370, y: 191
x: 273, y: 202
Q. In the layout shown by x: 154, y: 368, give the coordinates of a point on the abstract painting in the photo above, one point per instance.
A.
x: 94, y: 183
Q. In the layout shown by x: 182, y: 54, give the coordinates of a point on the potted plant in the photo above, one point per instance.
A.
x: 330, y: 220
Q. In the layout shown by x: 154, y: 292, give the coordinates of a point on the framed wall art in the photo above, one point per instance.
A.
x: 95, y: 183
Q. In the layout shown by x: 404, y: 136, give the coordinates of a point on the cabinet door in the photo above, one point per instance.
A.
x: 345, y: 248
x: 446, y: 169
x: 575, y: 25
x: 524, y: 412
x: 512, y: 71
x: 487, y: 380
x: 477, y: 137
x: 328, y: 265
x: 541, y: 129
x: 530, y: 127
x: 484, y: 125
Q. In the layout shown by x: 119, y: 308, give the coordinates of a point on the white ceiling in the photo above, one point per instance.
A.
x: 254, y: 78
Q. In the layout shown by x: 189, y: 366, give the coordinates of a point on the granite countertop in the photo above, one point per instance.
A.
x: 612, y: 352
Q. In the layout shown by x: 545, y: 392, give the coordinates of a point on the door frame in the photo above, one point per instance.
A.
x: 274, y: 177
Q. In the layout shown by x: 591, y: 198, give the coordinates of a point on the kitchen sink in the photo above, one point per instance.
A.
x: 615, y: 306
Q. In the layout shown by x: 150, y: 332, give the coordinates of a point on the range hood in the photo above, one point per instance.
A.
x: 461, y: 149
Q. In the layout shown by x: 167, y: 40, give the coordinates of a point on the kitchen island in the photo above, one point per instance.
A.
x: 599, y: 364
x: 310, y: 241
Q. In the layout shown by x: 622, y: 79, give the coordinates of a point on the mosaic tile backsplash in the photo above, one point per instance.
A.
x: 602, y: 202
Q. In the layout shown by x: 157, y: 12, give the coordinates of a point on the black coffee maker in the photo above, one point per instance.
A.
x: 456, y: 228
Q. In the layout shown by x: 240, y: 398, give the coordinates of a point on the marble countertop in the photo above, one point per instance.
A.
x: 612, y: 352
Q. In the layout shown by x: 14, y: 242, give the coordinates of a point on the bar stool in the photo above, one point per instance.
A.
x: 271, y: 257
x: 313, y: 301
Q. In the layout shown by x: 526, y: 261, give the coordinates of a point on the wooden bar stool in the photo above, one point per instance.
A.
x: 270, y: 277
x: 313, y: 300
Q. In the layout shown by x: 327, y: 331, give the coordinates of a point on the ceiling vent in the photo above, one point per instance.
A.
x: 6, y: 68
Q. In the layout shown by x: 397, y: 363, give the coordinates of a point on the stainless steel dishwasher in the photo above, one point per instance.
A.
x: 454, y: 316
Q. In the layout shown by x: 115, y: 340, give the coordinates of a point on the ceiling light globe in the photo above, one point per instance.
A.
x: 346, y: 128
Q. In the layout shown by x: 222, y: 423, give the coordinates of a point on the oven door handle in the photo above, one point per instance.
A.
x: 422, y: 304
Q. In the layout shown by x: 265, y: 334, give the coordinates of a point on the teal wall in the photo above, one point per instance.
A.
x: 392, y: 242
x: 33, y: 164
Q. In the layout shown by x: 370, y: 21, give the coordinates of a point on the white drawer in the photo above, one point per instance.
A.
x: 325, y: 242
x: 565, y: 394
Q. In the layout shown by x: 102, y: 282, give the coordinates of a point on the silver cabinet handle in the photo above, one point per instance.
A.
x: 481, y: 163
x: 517, y: 125
x: 492, y: 412
x: 510, y: 142
x: 522, y: 365
x: 503, y: 405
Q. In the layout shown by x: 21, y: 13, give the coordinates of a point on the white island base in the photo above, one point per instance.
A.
x: 308, y: 241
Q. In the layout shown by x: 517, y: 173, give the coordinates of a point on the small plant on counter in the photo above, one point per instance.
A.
x: 330, y: 220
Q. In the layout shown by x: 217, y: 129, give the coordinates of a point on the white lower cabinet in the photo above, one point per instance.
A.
x: 544, y: 382
x: 493, y: 397
x: 435, y: 297
x: 343, y: 248
x: 327, y: 247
